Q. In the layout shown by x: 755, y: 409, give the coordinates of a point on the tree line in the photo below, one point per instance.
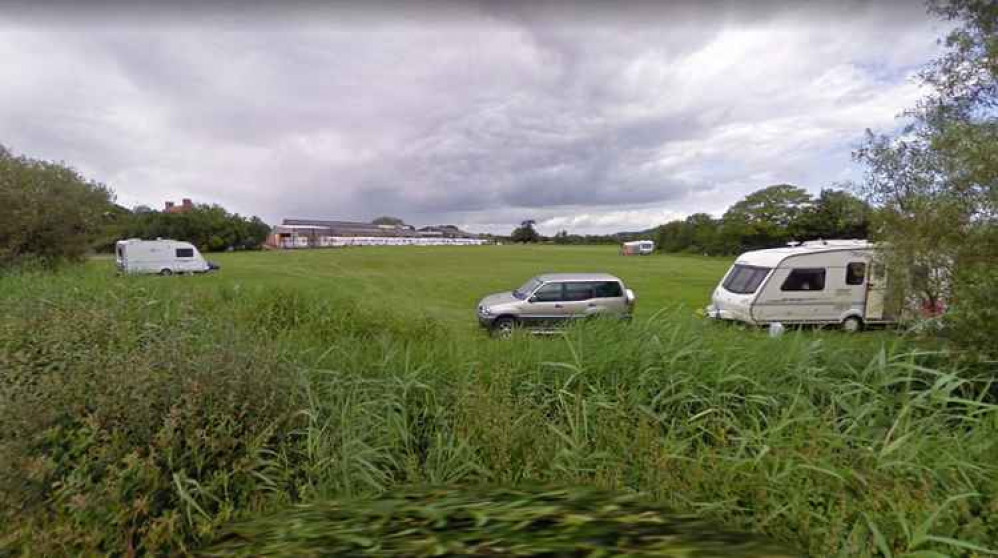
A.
x: 766, y: 218
x: 50, y: 213
x: 209, y: 227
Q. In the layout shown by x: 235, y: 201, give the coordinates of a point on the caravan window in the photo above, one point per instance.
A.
x: 185, y: 252
x: 855, y: 273
x: 745, y: 279
x: 805, y: 279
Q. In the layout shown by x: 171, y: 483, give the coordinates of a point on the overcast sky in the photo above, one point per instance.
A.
x: 584, y: 118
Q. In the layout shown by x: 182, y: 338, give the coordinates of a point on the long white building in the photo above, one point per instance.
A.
x: 309, y: 233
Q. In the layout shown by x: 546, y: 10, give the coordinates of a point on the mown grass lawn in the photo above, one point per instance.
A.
x: 445, y: 282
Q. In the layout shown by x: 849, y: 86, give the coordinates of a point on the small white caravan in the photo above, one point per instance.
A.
x: 818, y: 282
x: 161, y: 256
x: 637, y: 248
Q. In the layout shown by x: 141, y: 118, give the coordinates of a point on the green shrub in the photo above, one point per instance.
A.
x: 49, y: 213
x: 972, y: 321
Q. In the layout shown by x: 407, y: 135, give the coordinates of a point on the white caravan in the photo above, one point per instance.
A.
x: 161, y: 256
x: 818, y: 282
x: 637, y: 247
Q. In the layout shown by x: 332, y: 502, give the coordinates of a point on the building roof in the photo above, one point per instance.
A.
x: 772, y: 257
x: 353, y: 228
x: 345, y: 228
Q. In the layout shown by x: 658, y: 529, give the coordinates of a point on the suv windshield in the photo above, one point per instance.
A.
x: 745, y: 279
x: 527, y: 288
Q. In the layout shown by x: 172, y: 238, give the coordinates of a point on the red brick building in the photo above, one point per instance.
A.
x: 185, y: 206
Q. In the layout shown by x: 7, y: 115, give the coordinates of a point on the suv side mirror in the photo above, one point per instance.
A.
x: 532, y: 299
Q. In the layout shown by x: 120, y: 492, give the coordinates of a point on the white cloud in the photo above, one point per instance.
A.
x: 482, y: 118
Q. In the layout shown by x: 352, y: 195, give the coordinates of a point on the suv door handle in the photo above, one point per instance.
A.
x: 557, y: 306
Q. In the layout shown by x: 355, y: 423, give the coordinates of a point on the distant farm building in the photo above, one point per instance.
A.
x: 310, y: 233
x: 185, y: 206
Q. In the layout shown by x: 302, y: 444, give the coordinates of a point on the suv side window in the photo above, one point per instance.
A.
x: 578, y: 291
x: 550, y: 292
x: 805, y: 279
x: 607, y: 289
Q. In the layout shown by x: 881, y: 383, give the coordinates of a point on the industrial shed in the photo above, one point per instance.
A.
x: 309, y: 233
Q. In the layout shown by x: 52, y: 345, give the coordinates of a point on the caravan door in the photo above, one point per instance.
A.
x: 876, y: 292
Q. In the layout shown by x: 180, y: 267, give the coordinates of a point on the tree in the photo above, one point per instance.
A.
x: 525, y: 232
x: 210, y: 227
x: 702, y: 232
x: 935, y: 185
x: 834, y: 214
x: 48, y: 212
x: 386, y: 220
x: 763, y: 218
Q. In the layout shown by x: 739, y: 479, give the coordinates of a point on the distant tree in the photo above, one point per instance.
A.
x: 210, y: 227
x: 525, y: 232
x: 774, y: 206
x: 834, y: 214
x: 386, y: 220
x: 561, y: 237
x: 702, y: 232
x: 764, y: 218
x: 48, y: 212
x: 671, y: 237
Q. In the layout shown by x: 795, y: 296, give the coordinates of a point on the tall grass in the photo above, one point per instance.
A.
x: 137, y: 415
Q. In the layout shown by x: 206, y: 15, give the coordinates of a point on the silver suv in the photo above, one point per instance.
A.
x: 549, y: 300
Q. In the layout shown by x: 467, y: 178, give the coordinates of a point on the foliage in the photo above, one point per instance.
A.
x: 210, y: 227
x: 973, y: 319
x: 935, y: 185
x: 834, y: 214
x: 767, y: 218
x: 49, y: 213
x: 140, y: 415
x: 525, y: 233
x: 537, y: 521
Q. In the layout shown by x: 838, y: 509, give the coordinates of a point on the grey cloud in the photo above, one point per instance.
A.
x: 468, y: 113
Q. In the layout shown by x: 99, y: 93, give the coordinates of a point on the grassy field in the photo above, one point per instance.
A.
x: 143, y: 414
x: 445, y: 283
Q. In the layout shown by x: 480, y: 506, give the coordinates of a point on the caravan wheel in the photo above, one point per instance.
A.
x: 165, y: 272
x: 852, y: 324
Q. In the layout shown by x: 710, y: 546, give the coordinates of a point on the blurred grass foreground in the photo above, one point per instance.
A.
x: 487, y: 522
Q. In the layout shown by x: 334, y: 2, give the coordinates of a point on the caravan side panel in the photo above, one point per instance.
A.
x: 824, y: 287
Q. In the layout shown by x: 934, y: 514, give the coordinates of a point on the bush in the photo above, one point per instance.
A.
x: 131, y: 423
x: 49, y: 213
x: 972, y: 320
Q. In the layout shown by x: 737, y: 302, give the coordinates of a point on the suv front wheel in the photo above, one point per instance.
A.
x: 503, y: 327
